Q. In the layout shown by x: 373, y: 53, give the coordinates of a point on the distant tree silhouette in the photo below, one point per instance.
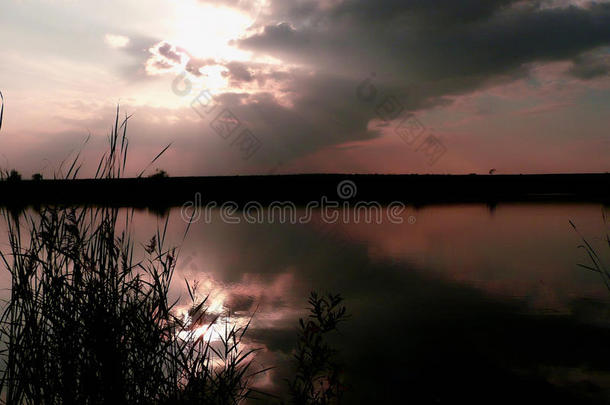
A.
x: 14, y: 175
x: 37, y: 177
x: 159, y: 174
x: 492, y: 171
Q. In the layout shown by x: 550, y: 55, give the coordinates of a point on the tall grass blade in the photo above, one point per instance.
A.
x: 1, y: 108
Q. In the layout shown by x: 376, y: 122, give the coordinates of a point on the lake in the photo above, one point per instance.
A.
x: 457, y: 302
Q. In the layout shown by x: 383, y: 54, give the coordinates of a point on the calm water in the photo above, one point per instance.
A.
x: 455, y: 302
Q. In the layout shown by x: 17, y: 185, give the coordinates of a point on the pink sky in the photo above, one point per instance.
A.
x: 485, y: 82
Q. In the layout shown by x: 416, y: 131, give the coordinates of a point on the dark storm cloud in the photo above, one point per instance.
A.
x: 324, y: 111
x: 281, y: 35
x: 422, y: 52
x: 435, y: 40
x: 434, y: 10
x: 591, y: 65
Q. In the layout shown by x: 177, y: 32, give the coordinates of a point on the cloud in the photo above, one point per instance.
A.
x: 164, y: 57
x: 238, y: 72
x: 422, y: 54
x: 591, y: 65
x: 437, y: 47
x: 116, y: 41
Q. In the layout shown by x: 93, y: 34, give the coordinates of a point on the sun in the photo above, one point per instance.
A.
x: 205, y: 30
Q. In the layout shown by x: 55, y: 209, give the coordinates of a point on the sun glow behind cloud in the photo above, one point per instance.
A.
x: 205, y: 31
x: 199, y: 42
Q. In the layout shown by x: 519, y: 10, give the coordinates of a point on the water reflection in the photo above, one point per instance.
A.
x: 461, y: 303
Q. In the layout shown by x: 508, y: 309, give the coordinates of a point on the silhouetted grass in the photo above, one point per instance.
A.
x: 1, y: 108
x: 317, y: 377
x: 595, y: 262
x: 87, y: 323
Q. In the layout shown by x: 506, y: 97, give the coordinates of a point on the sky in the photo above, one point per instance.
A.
x: 304, y: 86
